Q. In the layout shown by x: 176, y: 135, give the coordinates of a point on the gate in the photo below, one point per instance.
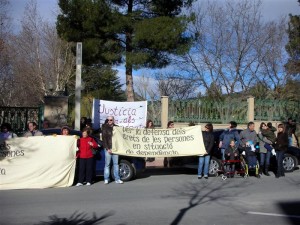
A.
x: 18, y: 117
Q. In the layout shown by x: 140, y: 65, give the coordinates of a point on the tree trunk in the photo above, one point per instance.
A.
x: 129, y: 84
x: 128, y: 66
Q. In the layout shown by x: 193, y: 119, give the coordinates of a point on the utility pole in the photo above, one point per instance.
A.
x: 78, y: 85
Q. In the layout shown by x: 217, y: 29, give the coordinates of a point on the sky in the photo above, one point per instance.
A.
x: 271, y: 9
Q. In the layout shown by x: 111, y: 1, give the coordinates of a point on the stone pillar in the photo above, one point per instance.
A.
x: 164, y: 111
x: 250, y: 112
x: 55, y: 111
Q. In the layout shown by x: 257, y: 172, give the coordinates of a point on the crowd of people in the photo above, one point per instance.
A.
x: 232, y: 143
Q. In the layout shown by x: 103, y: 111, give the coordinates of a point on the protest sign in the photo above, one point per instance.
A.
x: 158, y: 142
x: 37, y: 162
x: 126, y: 114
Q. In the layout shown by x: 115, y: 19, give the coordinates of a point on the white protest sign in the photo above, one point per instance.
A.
x: 186, y: 141
x: 38, y: 162
x: 126, y: 114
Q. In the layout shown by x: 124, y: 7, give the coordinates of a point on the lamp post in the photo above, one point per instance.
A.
x: 78, y: 85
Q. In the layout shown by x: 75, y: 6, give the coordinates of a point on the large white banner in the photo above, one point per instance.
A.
x: 126, y: 114
x: 174, y: 142
x: 37, y: 162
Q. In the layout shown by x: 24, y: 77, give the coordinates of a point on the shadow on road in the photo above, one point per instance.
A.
x: 291, y: 210
x: 199, y: 194
x: 77, y: 218
x: 166, y: 171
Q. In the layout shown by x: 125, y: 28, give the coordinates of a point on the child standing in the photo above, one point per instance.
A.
x: 231, y: 153
x: 85, y: 155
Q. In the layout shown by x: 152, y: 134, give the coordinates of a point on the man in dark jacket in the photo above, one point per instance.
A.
x: 107, y: 132
x: 227, y: 136
x: 248, y: 142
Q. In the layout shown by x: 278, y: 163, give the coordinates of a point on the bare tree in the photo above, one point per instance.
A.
x: 43, y: 64
x: 6, y: 80
x: 147, y: 89
x: 234, y: 47
x: 175, y: 86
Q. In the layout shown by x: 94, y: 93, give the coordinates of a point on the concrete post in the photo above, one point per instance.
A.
x: 250, y: 113
x: 164, y: 111
x: 78, y: 85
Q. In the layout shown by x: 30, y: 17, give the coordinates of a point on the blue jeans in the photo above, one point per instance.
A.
x: 265, y: 159
x: 223, y: 153
x: 108, y: 158
x: 203, y: 160
x: 279, y: 159
x: 290, y: 141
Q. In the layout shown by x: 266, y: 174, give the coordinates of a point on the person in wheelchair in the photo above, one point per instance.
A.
x: 231, y: 153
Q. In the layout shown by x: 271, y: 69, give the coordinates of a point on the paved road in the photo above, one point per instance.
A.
x: 161, y: 196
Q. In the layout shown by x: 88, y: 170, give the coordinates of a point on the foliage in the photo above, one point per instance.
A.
x: 293, y: 46
x: 142, y: 33
x: 102, y: 83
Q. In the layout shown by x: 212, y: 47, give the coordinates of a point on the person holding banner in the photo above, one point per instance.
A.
x: 85, y: 155
x: 65, y: 130
x: 6, y: 132
x: 208, y: 139
x: 150, y: 125
x: 107, y: 132
x: 32, y: 130
x: 168, y: 161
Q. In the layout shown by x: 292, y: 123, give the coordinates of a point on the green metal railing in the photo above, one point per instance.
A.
x: 276, y: 110
x: 154, y: 112
x: 18, y: 117
x: 208, y: 110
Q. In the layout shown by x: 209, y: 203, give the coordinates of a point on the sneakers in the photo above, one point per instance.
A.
x: 79, y: 184
x: 119, y: 182
x: 105, y: 181
x: 88, y: 184
x: 199, y: 177
x: 205, y: 176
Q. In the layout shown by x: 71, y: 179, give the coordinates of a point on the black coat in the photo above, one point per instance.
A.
x: 282, y: 141
x: 209, y: 141
x: 107, y: 132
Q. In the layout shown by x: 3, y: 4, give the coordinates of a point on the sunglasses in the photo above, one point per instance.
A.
x: 110, y: 120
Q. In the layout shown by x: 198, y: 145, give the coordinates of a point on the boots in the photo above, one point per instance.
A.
x: 260, y: 170
x: 267, y: 170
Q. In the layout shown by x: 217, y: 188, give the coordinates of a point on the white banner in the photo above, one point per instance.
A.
x: 173, y: 142
x: 37, y: 162
x: 126, y: 114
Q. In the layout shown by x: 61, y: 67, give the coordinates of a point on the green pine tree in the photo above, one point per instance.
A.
x: 293, y: 46
x: 137, y: 32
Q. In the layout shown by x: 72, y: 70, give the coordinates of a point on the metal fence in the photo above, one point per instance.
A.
x: 208, y: 110
x: 276, y: 110
x: 18, y: 117
x: 154, y: 112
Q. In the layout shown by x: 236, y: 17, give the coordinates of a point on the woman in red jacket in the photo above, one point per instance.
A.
x: 85, y: 155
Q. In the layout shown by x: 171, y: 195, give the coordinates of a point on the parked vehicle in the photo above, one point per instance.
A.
x: 290, y: 161
x: 129, y: 167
